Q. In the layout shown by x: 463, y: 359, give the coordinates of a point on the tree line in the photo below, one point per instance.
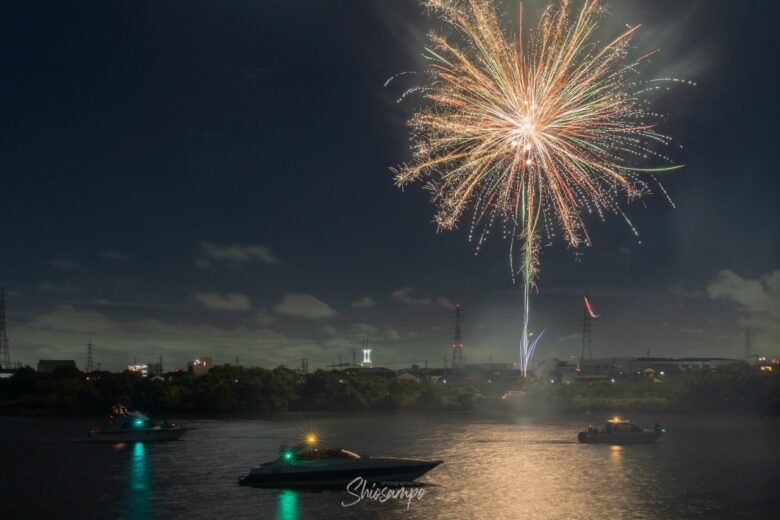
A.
x: 737, y: 388
x: 224, y: 389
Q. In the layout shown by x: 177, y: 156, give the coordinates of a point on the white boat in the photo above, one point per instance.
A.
x: 620, y: 431
x: 127, y: 426
x: 514, y: 395
x: 305, y: 466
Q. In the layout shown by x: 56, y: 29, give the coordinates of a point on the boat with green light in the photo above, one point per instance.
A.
x: 306, y: 465
x: 133, y: 426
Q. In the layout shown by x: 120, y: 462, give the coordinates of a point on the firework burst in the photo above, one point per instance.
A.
x: 532, y: 133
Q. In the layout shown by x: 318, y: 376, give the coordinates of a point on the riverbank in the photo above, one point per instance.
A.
x: 254, y: 392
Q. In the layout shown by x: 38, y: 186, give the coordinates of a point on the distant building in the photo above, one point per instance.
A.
x: 423, y: 375
x: 200, y: 366
x: 407, y: 377
x: 47, y: 366
x: 367, y: 358
x: 486, y: 372
x: 625, y: 368
x: 140, y: 369
x: 372, y: 371
x: 557, y: 371
x: 7, y: 373
x: 767, y: 364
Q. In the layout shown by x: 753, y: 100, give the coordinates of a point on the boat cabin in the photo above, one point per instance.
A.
x: 616, y: 425
x: 620, y: 425
x: 317, y: 454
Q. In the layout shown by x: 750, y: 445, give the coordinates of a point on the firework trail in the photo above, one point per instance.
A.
x: 535, y: 132
x: 589, y: 309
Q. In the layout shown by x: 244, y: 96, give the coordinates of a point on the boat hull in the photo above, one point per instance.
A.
x: 292, y: 476
x: 645, y: 437
x: 159, y: 435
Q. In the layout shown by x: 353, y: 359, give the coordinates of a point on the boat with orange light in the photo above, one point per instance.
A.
x: 620, y: 431
x: 307, y: 465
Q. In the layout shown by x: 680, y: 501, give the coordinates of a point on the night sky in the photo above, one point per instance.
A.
x: 212, y: 179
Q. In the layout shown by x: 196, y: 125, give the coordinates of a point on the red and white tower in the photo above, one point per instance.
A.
x: 457, y: 344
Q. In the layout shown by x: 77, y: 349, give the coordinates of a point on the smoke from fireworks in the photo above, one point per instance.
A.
x: 532, y: 133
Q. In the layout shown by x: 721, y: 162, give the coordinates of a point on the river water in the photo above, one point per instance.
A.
x: 495, y: 467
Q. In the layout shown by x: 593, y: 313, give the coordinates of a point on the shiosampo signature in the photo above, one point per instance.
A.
x: 359, y: 489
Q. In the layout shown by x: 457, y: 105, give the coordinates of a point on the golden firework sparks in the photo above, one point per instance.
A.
x: 531, y: 133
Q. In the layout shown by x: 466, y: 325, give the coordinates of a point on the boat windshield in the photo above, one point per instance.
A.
x: 625, y: 427
x: 326, y: 454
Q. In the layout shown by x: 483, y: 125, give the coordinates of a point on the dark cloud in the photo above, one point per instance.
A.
x: 236, y: 254
x: 114, y: 255
x: 757, y: 301
x: 65, y: 265
x: 224, y: 302
x: 304, y: 306
x: 404, y: 297
x: 63, y: 331
x: 363, y: 303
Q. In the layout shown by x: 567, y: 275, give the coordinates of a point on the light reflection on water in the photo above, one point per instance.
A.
x: 288, y: 505
x: 495, y: 468
x: 138, y: 484
x: 616, y: 456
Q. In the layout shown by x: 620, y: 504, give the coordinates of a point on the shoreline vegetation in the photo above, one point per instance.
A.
x: 229, y: 390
